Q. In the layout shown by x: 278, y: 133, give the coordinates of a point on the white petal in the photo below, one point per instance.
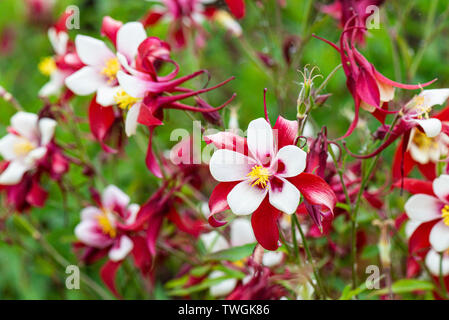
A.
x: 224, y: 287
x: 410, y: 227
x: 131, y: 119
x: 129, y: 37
x: 422, y: 207
x: 113, y: 196
x: 214, y: 241
x: 285, y: 197
x: 293, y: 161
x: 90, y: 213
x: 433, y: 260
x: 87, y: 232
x: 418, y: 154
x: 272, y: 258
x: 54, y: 85
x: 386, y: 91
x: 58, y: 40
x: 34, y: 155
x: 132, y: 85
x: 245, y: 199
x: 227, y: 165
x: 13, y: 173
x: 133, y: 210
x: 241, y: 232
x: 434, y: 96
x: 106, y: 94
x: 47, y: 128
x: 91, y: 51
x: 260, y: 140
x: 25, y: 123
x: 441, y: 187
x: 7, y: 144
x: 85, y: 81
x: 439, y: 237
x: 432, y: 127
x: 120, y: 251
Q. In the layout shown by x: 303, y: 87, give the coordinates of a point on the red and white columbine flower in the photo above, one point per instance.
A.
x: 102, y: 65
x: 24, y: 145
x: 263, y: 176
x: 100, y: 226
x: 422, y: 208
x: 64, y: 62
x: 263, y: 171
x: 427, y: 142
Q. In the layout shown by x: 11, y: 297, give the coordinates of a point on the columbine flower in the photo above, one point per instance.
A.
x: 187, y: 15
x: 241, y: 233
x: 432, y: 208
x: 102, y: 65
x: 433, y: 260
x: 99, y: 227
x: 344, y: 10
x: 425, y: 138
x: 263, y: 177
x: 63, y: 63
x: 25, y: 144
x: 369, y: 88
x: 147, y: 95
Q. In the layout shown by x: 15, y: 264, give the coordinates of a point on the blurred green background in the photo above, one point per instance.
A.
x: 25, y: 270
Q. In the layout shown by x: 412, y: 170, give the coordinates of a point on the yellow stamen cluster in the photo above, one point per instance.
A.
x: 106, y: 225
x: 23, y: 147
x: 419, y: 106
x: 423, y: 142
x: 259, y: 176
x: 124, y: 100
x: 111, y: 68
x: 445, y: 214
x: 47, y: 66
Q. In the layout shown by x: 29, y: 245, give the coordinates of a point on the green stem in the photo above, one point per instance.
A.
x: 355, y: 210
x: 324, y: 83
x: 59, y: 258
x: 309, y: 257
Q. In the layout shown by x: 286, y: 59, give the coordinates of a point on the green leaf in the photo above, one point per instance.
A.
x: 233, y: 254
x: 407, y: 285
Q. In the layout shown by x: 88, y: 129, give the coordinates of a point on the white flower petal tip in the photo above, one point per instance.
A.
x: 422, y: 207
x: 226, y: 165
x: 122, y: 249
x: 244, y: 199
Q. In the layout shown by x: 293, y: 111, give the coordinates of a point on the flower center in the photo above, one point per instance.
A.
x: 23, y: 147
x: 106, y: 224
x: 418, y: 104
x: 111, y: 68
x: 445, y: 214
x: 124, y: 100
x: 424, y: 142
x: 47, y: 66
x: 259, y: 176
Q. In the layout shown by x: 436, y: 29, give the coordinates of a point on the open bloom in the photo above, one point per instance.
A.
x: 64, y: 62
x: 263, y: 176
x: 264, y: 171
x: 99, y: 226
x: 102, y: 64
x: 24, y: 145
x: 433, y: 209
x: 427, y: 142
x: 146, y: 94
